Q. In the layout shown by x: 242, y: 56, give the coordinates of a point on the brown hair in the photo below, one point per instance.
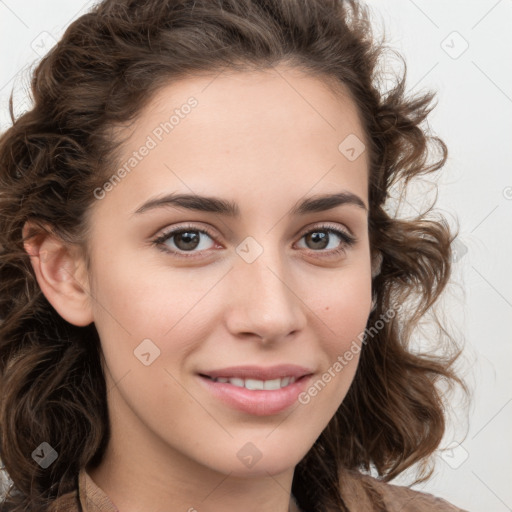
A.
x: 107, y: 66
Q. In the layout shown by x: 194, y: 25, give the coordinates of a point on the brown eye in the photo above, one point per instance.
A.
x: 185, y: 239
x: 319, y: 239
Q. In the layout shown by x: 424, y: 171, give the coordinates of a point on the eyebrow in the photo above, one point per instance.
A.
x: 220, y: 206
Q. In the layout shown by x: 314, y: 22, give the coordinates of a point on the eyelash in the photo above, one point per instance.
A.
x: 347, y: 240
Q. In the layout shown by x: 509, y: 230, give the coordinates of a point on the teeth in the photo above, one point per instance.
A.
x: 273, y: 384
x: 237, y: 382
x: 255, y: 384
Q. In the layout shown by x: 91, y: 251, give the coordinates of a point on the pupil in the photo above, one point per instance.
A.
x: 189, y: 238
x: 319, y: 237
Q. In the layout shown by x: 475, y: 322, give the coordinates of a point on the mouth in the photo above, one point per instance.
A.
x: 257, y: 384
x: 257, y: 391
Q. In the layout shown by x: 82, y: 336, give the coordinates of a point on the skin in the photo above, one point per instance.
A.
x: 265, y: 140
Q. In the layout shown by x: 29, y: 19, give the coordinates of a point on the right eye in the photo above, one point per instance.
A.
x: 182, y: 240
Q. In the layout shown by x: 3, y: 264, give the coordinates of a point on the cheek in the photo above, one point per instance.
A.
x: 347, y: 307
x: 343, y: 304
x: 341, y: 312
x: 150, y: 320
x: 145, y: 301
x: 176, y: 308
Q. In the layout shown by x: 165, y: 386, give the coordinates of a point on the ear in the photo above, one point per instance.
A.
x: 61, y: 274
x: 376, y: 264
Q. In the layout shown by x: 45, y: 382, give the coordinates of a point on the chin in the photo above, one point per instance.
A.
x: 259, y: 459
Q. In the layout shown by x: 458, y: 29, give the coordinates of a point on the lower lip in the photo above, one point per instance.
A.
x: 257, y: 402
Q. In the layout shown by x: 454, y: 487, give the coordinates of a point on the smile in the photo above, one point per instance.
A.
x: 254, y: 396
x: 255, y: 384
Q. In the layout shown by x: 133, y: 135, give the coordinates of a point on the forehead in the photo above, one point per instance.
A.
x: 254, y: 102
x: 244, y: 133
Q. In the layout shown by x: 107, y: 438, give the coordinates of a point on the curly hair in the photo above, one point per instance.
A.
x: 107, y: 66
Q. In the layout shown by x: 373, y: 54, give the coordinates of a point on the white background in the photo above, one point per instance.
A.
x: 474, y: 118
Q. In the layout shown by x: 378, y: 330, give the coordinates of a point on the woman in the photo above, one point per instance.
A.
x: 206, y: 304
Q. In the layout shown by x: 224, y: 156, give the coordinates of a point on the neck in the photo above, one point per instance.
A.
x: 133, y: 491
x: 139, y: 471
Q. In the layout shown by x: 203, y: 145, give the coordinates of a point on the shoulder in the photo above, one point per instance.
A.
x: 66, y: 503
x: 358, y: 488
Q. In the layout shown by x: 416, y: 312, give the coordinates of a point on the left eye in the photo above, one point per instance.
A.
x: 187, y: 239
x: 320, y: 238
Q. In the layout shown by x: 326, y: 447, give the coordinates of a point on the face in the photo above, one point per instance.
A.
x: 188, y: 290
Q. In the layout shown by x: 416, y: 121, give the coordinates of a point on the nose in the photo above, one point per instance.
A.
x: 263, y: 302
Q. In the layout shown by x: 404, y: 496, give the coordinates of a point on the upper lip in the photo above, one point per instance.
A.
x: 260, y: 372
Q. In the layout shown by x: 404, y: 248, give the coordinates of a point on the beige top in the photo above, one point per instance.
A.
x: 91, y: 498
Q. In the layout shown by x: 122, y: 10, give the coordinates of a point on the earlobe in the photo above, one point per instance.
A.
x: 61, y: 274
